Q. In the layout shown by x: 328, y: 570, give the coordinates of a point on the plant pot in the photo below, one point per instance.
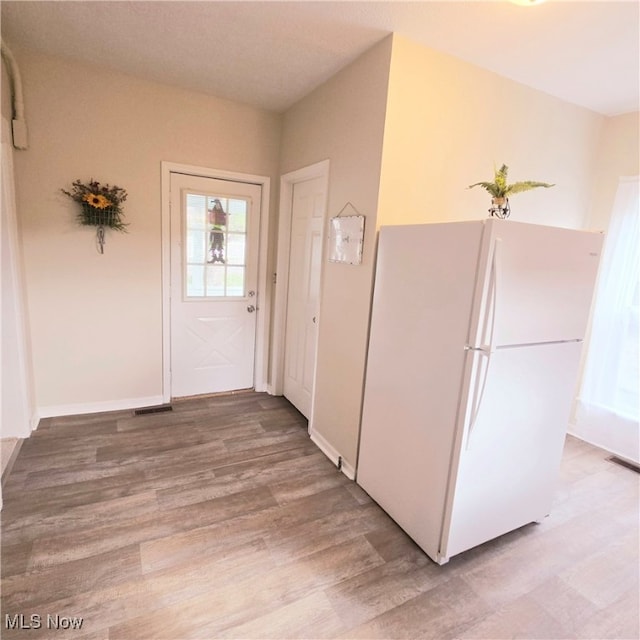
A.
x: 499, y: 208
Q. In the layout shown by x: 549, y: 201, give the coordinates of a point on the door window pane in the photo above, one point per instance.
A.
x: 196, y: 211
x: 196, y: 246
x: 195, y: 280
x: 215, y: 280
x: 215, y: 244
x: 235, y: 281
x: 236, y: 248
x: 238, y: 215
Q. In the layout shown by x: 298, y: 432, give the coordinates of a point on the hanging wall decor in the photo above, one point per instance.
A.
x: 100, y: 207
x: 218, y: 221
x: 346, y: 237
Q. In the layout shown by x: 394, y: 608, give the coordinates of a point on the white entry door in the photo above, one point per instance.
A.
x: 214, y: 275
x: 307, y: 216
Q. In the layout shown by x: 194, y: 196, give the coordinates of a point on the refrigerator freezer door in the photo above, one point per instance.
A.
x: 424, y: 288
x: 510, y: 455
x: 544, y: 279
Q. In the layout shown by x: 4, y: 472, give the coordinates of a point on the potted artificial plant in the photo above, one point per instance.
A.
x: 500, y: 191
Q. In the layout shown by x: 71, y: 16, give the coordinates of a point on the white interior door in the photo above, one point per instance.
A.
x: 214, y: 275
x: 307, y: 215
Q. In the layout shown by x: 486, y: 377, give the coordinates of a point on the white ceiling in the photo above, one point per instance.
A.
x: 271, y: 54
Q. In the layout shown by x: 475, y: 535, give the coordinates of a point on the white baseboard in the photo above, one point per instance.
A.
x: 10, y: 449
x: 332, y: 454
x: 8, y: 461
x: 606, y: 429
x: 55, y: 411
x: 631, y: 455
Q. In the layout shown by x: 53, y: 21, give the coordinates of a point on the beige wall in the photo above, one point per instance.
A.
x: 618, y: 155
x: 449, y: 122
x: 343, y: 120
x: 96, y: 319
x: 445, y: 125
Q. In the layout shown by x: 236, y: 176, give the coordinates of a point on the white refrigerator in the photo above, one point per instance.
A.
x: 474, y: 351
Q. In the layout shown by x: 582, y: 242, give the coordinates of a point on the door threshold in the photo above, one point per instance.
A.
x: 162, y: 408
x: 216, y: 394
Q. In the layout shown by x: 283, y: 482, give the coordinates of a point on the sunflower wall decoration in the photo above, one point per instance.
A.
x: 100, y: 206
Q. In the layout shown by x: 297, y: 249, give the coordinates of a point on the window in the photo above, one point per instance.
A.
x: 607, y: 412
x: 611, y: 377
x: 216, y: 246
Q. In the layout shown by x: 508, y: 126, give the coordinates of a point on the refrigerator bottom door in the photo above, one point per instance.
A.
x: 510, y: 459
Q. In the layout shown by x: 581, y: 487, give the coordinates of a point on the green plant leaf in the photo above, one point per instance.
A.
x: 491, y: 187
x: 519, y: 187
x: 499, y: 188
x: 500, y: 178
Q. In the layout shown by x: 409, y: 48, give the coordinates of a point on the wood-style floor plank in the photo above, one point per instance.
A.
x: 221, y: 519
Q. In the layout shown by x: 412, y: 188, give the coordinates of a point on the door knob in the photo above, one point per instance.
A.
x: 251, y: 308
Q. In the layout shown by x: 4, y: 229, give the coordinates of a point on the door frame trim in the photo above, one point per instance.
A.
x: 287, y: 182
x: 260, y: 374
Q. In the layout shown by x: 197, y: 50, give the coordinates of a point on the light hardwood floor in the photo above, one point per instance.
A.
x: 221, y: 519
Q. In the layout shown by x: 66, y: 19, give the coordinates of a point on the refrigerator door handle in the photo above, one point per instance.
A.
x: 496, y: 279
x: 479, y: 386
x: 488, y: 349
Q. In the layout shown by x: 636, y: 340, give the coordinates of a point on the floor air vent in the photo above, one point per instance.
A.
x: 624, y: 463
x: 161, y: 409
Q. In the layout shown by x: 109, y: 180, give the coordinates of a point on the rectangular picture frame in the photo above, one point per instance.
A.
x: 346, y: 239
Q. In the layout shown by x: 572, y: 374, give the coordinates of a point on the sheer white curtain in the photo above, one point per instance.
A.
x: 608, y: 405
